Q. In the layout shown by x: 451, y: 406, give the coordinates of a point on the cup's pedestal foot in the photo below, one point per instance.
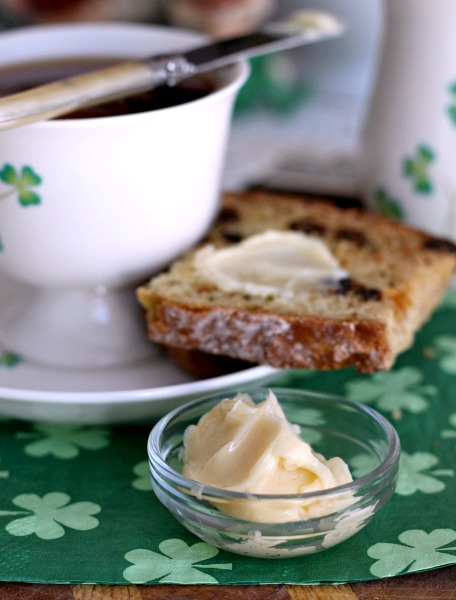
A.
x: 77, y: 328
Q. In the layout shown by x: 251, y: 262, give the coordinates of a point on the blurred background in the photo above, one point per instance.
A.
x: 298, y: 119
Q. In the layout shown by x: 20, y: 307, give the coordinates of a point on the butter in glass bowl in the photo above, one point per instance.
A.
x: 279, y: 523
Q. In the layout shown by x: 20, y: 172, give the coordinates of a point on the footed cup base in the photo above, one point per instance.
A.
x: 77, y: 328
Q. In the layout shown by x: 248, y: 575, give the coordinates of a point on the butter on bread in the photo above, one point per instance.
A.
x: 397, y: 277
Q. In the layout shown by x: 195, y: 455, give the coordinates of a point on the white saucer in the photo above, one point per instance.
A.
x: 140, y: 391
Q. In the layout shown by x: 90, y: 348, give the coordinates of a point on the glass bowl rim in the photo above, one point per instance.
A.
x: 190, y: 485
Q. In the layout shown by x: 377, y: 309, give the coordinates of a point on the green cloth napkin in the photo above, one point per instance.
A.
x: 76, y: 503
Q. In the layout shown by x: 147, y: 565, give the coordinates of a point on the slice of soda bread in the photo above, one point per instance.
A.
x: 395, y: 277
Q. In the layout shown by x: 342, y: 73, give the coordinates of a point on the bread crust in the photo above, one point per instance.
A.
x: 264, y: 338
x: 397, y: 277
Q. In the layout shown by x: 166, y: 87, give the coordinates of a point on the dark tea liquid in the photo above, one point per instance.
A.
x: 25, y: 76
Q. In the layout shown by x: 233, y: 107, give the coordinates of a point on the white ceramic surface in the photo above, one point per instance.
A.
x: 408, y: 150
x: 99, y: 204
x: 143, y: 390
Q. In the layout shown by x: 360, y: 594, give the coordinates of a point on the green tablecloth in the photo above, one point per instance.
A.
x: 76, y: 503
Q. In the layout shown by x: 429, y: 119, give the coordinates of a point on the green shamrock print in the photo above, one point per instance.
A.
x: 416, y: 169
x: 452, y: 107
x: 21, y: 184
x: 9, y: 359
x: 445, y: 348
x: 4, y: 474
x: 143, y: 481
x: 415, y: 474
x: 277, y: 93
x: 262, y: 546
x: 388, y: 206
x: 294, y: 377
x: 311, y: 417
x: 448, y: 302
x: 450, y: 434
x: 47, y: 516
x: 177, y: 563
x: 347, y: 525
x: 362, y: 464
x: 393, y: 390
x: 63, y: 441
x: 418, y: 550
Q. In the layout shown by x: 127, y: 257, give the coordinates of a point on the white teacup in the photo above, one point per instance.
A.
x: 90, y: 207
x: 409, y: 144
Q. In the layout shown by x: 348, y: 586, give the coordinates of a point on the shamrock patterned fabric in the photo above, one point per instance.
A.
x: 76, y: 503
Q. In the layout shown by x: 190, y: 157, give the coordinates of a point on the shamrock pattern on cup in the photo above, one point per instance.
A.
x: 388, y: 206
x: 452, y: 106
x: 418, y: 173
x: 9, y: 359
x: 20, y: 183
x: 417, y: 169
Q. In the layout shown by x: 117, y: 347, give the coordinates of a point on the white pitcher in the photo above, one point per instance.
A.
x: 408, y: 150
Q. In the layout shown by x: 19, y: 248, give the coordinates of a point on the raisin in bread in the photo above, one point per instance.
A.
x: 396, y: 277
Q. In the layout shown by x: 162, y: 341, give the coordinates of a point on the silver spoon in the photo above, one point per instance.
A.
x: 134, y: 76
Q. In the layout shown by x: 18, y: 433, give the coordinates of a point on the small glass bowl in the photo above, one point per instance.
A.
x: 333, y: 426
